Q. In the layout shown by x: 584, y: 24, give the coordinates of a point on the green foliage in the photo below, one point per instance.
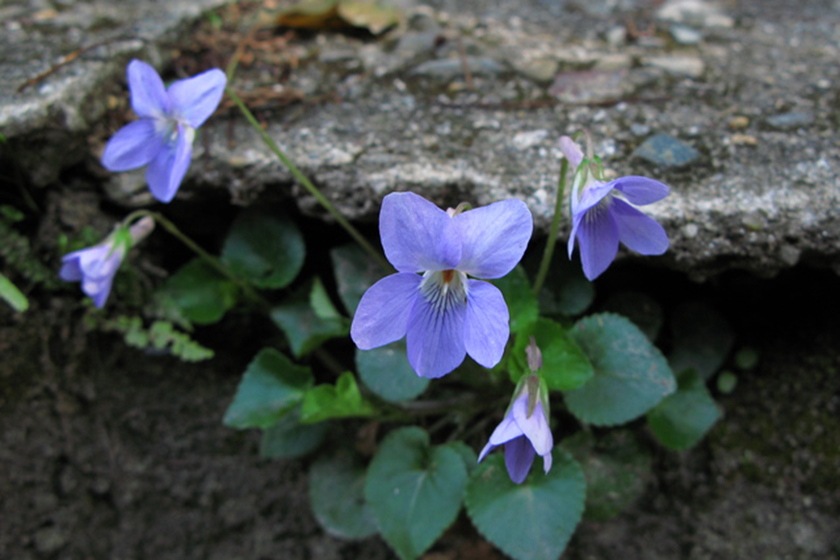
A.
x: 264, y: 249
x: 701, y: 337
x: 631, y: 375
x: 202, y: 294
x: 617, y: 470
x: 302, y: 325
x: 746, y: 358
x: 386, y: 372
x: 271, y: 386
x: 319, y: 301
x: 336, y: 492
x: 533, y: 520
x: 726, y: 382
x: 642, y: 310
x: 682, y: 419
x: 18, y: 254
x: 565, y: 366
x: 160, y: 335
x: 414, y: 489
x: 289, y: 439
x: 341, y: 400
x: 566, y: 290
x: 521, y: 301
x: 355, y: 272
x: 13, y: 295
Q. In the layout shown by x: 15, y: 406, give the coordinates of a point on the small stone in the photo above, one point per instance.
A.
x: 666, y: 151
x: 616, y: 36
x: 412, y: 44
x: 789, y: 254
x: 525, y: 140
x: 739, y: 122
x: 591, y: 86
x: 679, y: 65
x: 541, y: 70
x: 683, y: 35
x: 753, y: 221
x: 49, y: 540
x: 328, y: 56
x: 691, y: 230
x: 449, y: 68
x: 744, y: 140
x: 605, y: 7
x: 615, y: 61
x: 791, y: 120
x: 639, y: 129
x: 650, y: 42
x: 698, y: 13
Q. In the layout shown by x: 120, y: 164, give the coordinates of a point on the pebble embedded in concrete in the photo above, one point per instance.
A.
x: 666, y: 151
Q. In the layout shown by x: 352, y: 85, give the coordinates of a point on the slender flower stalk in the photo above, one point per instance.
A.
x: 95, y: 267
x: 212, y: 261
x: 162, y: 138
x: 432, y: 301
x: 545, y: 264
x: 307, y: 184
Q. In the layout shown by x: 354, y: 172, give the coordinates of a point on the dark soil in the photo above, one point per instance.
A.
x: 111, y: 453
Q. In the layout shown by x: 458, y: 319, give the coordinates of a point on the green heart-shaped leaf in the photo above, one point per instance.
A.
x: 631, y: 375
x: 386, y: 372
x: 682, y: 419
x: 529, y: 521
x: 271, y: 386
x: 336, y: 492
x: 303, y: 326
x: 414, y: 489
x: 265, y: 249
x: 199, y: 292
x: 355, y: 272
x: 288, y: 438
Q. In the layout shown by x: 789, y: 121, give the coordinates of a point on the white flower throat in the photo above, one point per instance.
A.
x: 444, y: 289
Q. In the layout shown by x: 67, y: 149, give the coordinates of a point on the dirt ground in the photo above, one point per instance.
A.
x: 111, y: 453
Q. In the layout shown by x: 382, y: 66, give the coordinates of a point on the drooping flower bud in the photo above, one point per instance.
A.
x: 524, y: 431
x: 95, y: 267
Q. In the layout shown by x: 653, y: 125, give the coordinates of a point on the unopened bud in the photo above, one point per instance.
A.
x: 141, y: 229
x: 534, y: 355
x: 463, y: 207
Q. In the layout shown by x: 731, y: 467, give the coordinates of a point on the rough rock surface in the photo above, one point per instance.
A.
x: 47, y: 117
x: 400, y: 113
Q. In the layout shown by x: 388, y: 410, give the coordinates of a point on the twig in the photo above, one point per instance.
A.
x: 65, y: 60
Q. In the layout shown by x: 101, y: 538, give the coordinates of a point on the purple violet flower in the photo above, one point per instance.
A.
x: 95, y: 267
x: 443, y: 313
x: 524, y: 433
x: 604, y: 214
x: 162, y: 138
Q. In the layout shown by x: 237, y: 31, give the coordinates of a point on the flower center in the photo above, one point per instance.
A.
x: 167, y: 130
x: 597, y: 210
x: 444, y: 289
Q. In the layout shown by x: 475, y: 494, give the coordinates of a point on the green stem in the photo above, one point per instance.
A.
x: 307, y: 184
x: 555, y: 227
x: 202, y: 254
